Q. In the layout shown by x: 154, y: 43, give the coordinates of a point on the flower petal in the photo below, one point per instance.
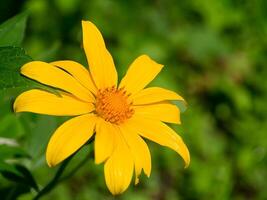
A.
x: 79, y: 72
x: 119, y: 167
x: 153, y: 95
x: 104, y: 140
x: 139, y: 149
x: 162, y: 134
x: 42, y: 102
x: 141, y: 72
x: 100, y: 61
x: 163, y: 111
x: 50, y: 75
x: 69, y: 137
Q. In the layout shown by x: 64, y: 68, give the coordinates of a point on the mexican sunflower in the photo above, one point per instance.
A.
x: 119, y: 116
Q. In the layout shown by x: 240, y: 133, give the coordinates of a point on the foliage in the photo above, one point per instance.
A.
x: 214, y: 54
x: 12, y: 31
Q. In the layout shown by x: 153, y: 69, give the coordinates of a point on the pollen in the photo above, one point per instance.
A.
x: 113, y: 105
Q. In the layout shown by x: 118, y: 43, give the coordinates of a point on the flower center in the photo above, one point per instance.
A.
x: 113, y: 105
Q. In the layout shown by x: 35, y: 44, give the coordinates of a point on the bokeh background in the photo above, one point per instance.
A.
x: 214, y: 54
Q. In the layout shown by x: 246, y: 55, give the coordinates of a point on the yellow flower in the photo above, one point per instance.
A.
x: 119, y: 115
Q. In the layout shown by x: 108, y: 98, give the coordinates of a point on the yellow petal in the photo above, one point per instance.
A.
x: 162, y: 134
x: 139, y: 149
x: 104, y: 140
x: 100, y: 61
x: 118, y: 168
x: 153, y: 95
x: 164, y: 111
x: 79, y: 72
x: 42, y: 102
x: 140, y: 73
x: 53, y: 76
x: 69, y: 137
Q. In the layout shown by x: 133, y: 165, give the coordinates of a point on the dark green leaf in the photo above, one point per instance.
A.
x: 11, y: 59
x: 27, y: 176
x: 12, y: 31
x: 18, y: 174
x: 13, y: 191
x: 5, y: 167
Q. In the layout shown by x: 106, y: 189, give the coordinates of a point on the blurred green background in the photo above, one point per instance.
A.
x: 214, y: 54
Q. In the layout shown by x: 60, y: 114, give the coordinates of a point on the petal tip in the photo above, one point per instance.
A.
x: 23, y: 68
x: 15, y: 109
x: 187, y: 161
x: 186, y: 165
x: 29, y: 66
x: 147, y: 173
x: 49, y: 159
x: 86, y: 22
x: 15, y: 106
x: 145, y: 56
x: 136, y: 181
x: 97, y: 161
x: 49, y: 163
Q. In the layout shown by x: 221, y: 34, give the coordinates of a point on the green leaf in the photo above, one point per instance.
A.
x: 12, y: 30
x: 11, y: 59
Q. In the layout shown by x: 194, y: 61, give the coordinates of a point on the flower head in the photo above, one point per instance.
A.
x: 119, y: 115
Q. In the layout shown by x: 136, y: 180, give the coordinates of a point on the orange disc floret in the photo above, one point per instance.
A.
x: 113, y: 105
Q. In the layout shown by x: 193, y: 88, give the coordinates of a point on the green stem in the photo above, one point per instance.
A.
x: 55, y: 179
